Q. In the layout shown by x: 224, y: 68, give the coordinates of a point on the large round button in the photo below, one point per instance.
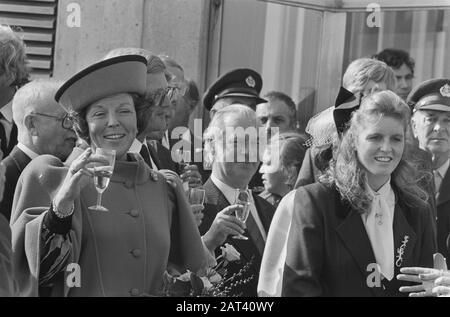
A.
x: 129, y: 184
x: 134, y: 213
x: 134, y: 292
x: 136, y: 253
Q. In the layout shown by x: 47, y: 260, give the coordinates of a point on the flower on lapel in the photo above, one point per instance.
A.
x: 401, y: 251
x: 229, y: 253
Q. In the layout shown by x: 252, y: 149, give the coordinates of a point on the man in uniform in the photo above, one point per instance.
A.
x: 431, y: 127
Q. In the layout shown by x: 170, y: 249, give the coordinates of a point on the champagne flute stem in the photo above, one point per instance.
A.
x: 99, y: 199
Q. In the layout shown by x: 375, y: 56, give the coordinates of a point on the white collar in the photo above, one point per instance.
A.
x: 383, y: 191
x: 443, y: 169
x: 25, y: 149
x: 135, y: 146
x: 228, y: 191
x: 7, y: 112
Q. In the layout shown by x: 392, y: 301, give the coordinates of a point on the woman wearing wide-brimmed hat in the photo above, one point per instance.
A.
x: 120, y: 252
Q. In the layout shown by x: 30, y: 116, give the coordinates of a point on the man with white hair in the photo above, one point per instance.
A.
x: 229, y: 132
x: 43, y: 127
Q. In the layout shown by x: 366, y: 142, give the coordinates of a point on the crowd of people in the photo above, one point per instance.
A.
x: 98, y: 173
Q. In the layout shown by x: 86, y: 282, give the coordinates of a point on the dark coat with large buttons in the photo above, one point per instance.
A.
x: 122, y: 252
x: 329, y: 252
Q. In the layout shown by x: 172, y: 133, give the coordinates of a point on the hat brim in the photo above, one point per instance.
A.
x: 121, y: 74
x: 436, y: 107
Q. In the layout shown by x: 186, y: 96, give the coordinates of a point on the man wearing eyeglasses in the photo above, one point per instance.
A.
x: 43, y: 128
x: 431, y: 127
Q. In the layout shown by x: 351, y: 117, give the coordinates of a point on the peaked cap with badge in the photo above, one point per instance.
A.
x: 121, y: 74
x: 433, y: 94
x: 241, y: 82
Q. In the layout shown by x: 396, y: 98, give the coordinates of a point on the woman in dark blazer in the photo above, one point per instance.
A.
x: 366, y: 218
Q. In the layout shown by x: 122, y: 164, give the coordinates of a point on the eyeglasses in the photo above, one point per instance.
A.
x: 67, y: 121
x: 171, y: 92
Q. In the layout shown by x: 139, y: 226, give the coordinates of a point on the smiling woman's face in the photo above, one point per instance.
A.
x: 112, y: 124
x: 380, y: 148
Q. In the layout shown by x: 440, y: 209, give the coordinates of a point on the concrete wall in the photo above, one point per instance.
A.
x: 177, y: 28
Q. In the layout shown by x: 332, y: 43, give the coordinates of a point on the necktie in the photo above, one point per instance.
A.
x: 437, y: 180
x: 381, y: 235
x: 252, y: 226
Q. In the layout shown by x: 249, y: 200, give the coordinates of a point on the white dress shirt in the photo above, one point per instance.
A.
x: 25, y: 149
x: 230, y: 194
x: 379, y: 227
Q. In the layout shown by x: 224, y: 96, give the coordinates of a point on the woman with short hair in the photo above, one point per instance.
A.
x: 121, y: 252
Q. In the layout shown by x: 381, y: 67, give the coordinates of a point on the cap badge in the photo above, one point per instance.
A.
x: 251, y: 82
x: 445, y: 90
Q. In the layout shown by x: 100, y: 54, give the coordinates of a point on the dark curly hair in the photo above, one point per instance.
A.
x: 395, y: 58
x: 142, y: 105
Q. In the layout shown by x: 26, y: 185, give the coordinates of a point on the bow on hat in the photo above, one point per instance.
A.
x: 346, y: 103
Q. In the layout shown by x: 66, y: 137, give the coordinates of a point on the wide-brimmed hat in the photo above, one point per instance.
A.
x: 121, y: 74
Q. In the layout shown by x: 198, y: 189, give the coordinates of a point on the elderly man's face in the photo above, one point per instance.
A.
x: 432, y: 129
x: 50, y: 135
x: 161, y: 114
x: 236, y: 153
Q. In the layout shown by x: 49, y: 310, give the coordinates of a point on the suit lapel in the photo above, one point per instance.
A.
x: 355, y: 238
x: 444, y: 192
x: 265, y: 211
x: 404, y: 239
x: 154, y: 155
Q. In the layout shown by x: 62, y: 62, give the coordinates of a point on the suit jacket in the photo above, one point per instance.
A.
x: 215, y: 201
x: 161, y: 157
x: 15, y: 163
x: 6, y: 149
x: 196, y: 153
x: 443, y: 217
x: 329, y: 252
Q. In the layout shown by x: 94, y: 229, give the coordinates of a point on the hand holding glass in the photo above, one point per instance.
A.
x: 102, y: 175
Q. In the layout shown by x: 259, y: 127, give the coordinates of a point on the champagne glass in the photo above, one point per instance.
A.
x: 102, y: 175
x: 183, y: 163
x: 196, y: 200
x: 242, y: 198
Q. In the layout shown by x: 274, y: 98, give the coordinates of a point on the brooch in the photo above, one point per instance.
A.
x: 401, y: 251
